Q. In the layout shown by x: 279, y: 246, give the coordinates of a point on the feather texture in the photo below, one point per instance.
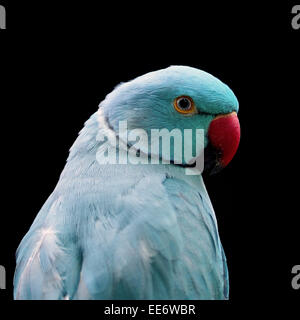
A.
x: 39, y: 277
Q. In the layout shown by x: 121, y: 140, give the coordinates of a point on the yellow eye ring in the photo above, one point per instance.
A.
x: 184, y: 105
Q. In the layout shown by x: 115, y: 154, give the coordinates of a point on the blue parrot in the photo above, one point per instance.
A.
x: 135, y: 231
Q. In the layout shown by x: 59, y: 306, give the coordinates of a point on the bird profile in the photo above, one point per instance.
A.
x: 130, y: 217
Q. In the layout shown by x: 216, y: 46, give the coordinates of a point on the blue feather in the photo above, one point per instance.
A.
x: 130, y: 231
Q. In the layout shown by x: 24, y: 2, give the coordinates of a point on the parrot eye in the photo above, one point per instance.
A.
x: 184, y: 104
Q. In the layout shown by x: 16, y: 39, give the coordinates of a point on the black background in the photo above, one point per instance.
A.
x: 58, y: 61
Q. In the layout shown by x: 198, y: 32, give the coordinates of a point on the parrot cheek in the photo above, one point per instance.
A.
x: 224, y: 137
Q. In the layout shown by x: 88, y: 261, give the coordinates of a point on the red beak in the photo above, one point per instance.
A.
x: 224, y: 135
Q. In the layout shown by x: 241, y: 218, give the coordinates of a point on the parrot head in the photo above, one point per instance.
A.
x: 180, y: 97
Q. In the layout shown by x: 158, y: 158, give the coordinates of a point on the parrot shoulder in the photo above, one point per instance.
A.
x: 48, y: 258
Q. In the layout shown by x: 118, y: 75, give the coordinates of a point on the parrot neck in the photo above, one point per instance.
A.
x: 84, y: 170
x: 96, y: 147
